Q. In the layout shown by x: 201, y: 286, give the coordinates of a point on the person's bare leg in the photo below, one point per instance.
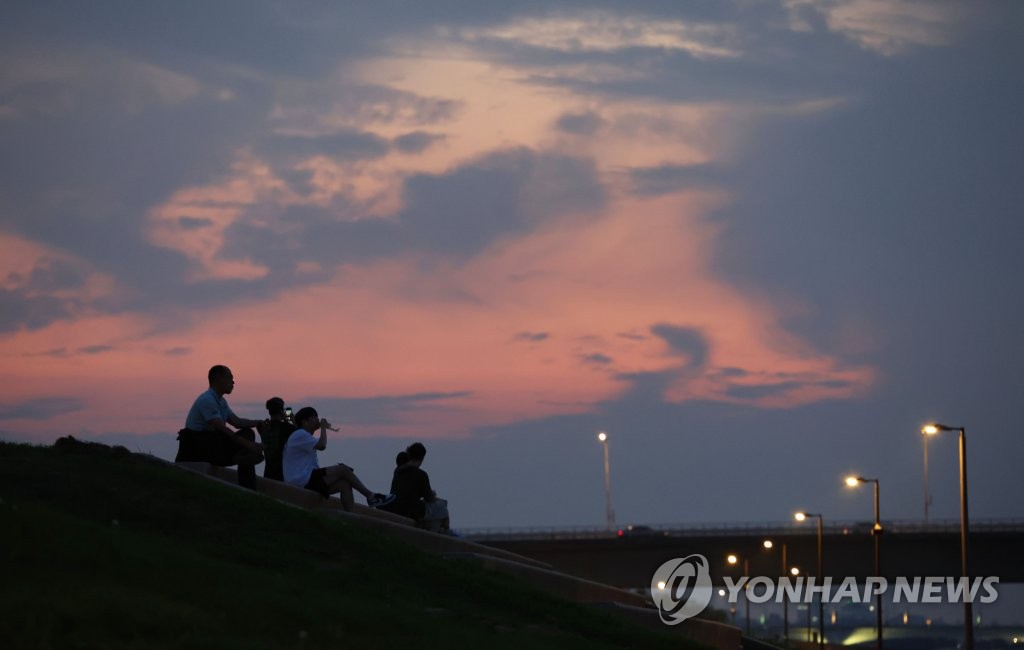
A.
x: 348, y: 475
x: 344, y: 491
x: 338, y: 479
x: 246, y: 459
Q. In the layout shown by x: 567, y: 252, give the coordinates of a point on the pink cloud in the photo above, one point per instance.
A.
x: 422, y: 323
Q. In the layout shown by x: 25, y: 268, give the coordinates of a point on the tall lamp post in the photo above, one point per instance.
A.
x: 768, y: 544
x: 876, y: 532
x: 733, y: 560
x: 801, y: 516
x: 931, y: 430
x: 609, y: 513
x: 927, y: 496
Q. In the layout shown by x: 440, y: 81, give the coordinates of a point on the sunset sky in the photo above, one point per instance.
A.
x: 760, y: 243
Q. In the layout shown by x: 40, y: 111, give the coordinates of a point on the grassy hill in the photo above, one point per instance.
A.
x: 100, y: 548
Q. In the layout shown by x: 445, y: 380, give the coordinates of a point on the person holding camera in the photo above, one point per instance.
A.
x: 274, y: 433
x: 302, y: 469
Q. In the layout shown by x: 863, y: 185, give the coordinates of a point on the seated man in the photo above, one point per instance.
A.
x: 274, y: 434
x: 413, y: 496
x: 206, y: 436
x: 302, y: 469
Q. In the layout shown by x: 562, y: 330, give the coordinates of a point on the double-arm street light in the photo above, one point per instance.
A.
x: 931, y: 430
x: 876, y: 532
x: 608, y: 512
x: 801, y: 516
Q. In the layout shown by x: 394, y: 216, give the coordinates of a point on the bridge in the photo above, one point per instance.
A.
x: 908, y: 549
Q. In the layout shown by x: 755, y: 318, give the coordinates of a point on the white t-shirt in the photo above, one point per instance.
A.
x: 299, y: 459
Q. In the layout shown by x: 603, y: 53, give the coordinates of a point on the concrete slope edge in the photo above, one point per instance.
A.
x: 365, y: 517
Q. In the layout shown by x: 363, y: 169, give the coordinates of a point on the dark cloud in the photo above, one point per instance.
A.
x: 579, y: 123
x: 349, y: 144
x: 57, y: 353
x: 20, y: 309
x: 84, y: 181
x: 35, y: 299
x: 96, y: 349
x: 41, y: 408
x: 665, y: 179
x: 502, y: 193
x: 755, y: 392
x: 731, y: 372
x: 597, y: 359
x: 299, y: 180
x: 315, y: 235
x: 194, y: 223
x: 177, y: 352
x: 318, y: 104
x: 40, y: 297
x: 687, y: 341
x: 532, y: 337
x: 417, y: 141
x: 380, y: 410
x: 908, y: 232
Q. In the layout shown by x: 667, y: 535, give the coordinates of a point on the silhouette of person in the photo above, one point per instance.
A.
x: 302, y: 469
x: 274, y: 434
x: 401, y: 459
x: 207, y: 437
x: 414, y: 497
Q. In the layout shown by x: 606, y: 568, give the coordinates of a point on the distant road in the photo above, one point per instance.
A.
x: 909, y: 548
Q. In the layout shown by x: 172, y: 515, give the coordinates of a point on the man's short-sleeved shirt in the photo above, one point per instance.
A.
x: 299, y: 459
x: 208, y: 406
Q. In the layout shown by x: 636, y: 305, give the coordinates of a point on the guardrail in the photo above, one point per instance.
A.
x: 737, y: 529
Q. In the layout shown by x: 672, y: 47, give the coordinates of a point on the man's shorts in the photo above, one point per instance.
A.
x: 212, y: 447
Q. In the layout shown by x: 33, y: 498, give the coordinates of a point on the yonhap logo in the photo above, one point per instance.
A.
x: 682, y: 588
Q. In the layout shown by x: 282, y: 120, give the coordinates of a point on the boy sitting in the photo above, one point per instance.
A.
x: 302, y: 469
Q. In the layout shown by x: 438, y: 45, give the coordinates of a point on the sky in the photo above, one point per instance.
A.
x: 759, y: 243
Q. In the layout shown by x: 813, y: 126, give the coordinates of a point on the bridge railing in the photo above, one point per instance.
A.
x: 736, y: 529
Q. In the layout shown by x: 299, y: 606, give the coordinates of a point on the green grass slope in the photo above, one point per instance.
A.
x: 100, y: 548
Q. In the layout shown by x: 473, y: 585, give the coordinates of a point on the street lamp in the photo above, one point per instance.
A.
x: 876, y: 532
x: 609, y: 513
x: 733, y: 560
x: 927, y: 497
x: 801, y: 516
x: 795, y: 571
x: 931, y: 430
x: 768, y: 544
